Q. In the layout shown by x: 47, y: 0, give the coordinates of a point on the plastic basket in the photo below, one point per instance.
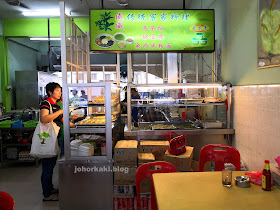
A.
x: 12, y: 153
x: 17, y: 124
x: 6, y: 124
x: 30, y: 124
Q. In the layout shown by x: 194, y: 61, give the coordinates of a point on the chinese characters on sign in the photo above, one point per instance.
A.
x: 152, y: 17
x: 152, y: 30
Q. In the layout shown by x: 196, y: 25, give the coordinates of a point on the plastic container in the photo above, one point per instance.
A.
x: 86, y: 149
x: 30, y: 124
x: 17, y: 124
x: 12, y: 153
x: 6, y: 124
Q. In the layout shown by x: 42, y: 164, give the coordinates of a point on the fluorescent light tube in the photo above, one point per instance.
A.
x: 178, y: 86
x: 44, y: 12
x: 44, y: 38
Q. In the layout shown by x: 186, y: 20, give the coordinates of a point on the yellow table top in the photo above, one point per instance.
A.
x: 204, y: 190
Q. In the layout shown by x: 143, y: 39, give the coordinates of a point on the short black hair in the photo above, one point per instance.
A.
x: 51, y: 86
x: 133, y: 89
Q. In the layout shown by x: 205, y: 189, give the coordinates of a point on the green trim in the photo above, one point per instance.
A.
x: 38, y: 27
x: 5, y: 74
x: 26, y: 27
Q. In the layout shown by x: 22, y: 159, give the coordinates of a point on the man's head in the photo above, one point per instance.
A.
x: 83, y: 92
x: 51, y: 87
x: 133, y: 91
x: 74, y: 92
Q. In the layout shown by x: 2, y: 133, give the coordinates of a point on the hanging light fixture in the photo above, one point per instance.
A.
x: 122, y: 2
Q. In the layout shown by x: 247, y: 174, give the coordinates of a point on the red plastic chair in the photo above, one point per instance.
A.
x: 6, y: 201
x: 220, y: 157
x: 144, y: 171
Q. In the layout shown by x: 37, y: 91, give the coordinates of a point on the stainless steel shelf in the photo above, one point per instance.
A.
x: 101, y: 105
x: 88, y: 130
x: 181, y: 105
x: 19, y: 128
x: 16, y: 145
x: 180, y: 132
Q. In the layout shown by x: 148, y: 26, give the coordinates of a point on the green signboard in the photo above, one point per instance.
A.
x: 152, y: 30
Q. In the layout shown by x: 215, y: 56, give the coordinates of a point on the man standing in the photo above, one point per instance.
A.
x: 84, y: 94
x: 75, y: 96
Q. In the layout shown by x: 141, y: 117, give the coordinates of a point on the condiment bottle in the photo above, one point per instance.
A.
x: 266, y: 177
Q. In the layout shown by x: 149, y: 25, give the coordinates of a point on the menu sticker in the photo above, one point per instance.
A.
x: 152, y: 30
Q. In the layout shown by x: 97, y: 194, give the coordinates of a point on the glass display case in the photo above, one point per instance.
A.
x: 95, y: 110
x: 178, y: 106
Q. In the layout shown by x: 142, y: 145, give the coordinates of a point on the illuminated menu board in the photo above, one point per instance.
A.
x: 152, y: 30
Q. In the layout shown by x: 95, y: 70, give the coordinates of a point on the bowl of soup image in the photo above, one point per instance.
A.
x: 195, y: 41
x: 203, y: 41
x: 120, y: 36
x: 121, y: 44
x: 129, y: 40
x: 199, y: 35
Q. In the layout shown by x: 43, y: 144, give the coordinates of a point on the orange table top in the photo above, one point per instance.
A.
x: 204, y: 190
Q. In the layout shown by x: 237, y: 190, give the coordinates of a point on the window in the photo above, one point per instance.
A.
x: 93, y: 76
x: 107, y: 77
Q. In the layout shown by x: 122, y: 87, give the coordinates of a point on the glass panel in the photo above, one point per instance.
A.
x: 68, y: 73
x: 138, y: 58
x: 181, y: 107
x: 80, y: 77
x: 154, y: 58
x: 94, y: 76
x: 110, y: 72
x: 87, y: 112
x: 188, y: 68
x: 155, y: 75
x: 139, y: 75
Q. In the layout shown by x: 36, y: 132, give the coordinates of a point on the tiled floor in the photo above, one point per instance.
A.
x: 22, y: 182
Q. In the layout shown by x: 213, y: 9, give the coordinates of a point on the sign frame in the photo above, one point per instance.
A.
x: 155, y: 51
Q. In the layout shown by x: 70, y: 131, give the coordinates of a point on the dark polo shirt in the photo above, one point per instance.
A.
x: 55, y: 108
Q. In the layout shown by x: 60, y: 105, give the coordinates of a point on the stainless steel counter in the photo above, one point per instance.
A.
x: 194, y: 132
x: 196, y: 138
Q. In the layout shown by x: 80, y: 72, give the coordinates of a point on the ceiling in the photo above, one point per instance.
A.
x: 80, y: 8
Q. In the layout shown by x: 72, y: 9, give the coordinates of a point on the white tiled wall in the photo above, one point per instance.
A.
x: 256, y: 120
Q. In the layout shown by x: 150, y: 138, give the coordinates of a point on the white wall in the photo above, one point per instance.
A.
x: 256, y: 110
x: 256, y: 120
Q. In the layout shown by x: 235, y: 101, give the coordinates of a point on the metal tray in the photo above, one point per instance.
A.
x: 89, y: 125
x: 172, y: 127
x: 216, y: 124
x: 94, y: 104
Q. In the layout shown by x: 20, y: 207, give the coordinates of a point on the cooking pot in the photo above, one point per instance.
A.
x: 35, y: 115
x: 32, y: 113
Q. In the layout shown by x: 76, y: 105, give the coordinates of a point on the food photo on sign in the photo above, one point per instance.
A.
x: 152, y: 30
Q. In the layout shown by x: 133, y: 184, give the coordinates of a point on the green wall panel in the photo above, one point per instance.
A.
x: 82, y: 23
x: 55, y: 27
x: 38, y: 27
x: 5, y: 74
x: 25, y: 27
